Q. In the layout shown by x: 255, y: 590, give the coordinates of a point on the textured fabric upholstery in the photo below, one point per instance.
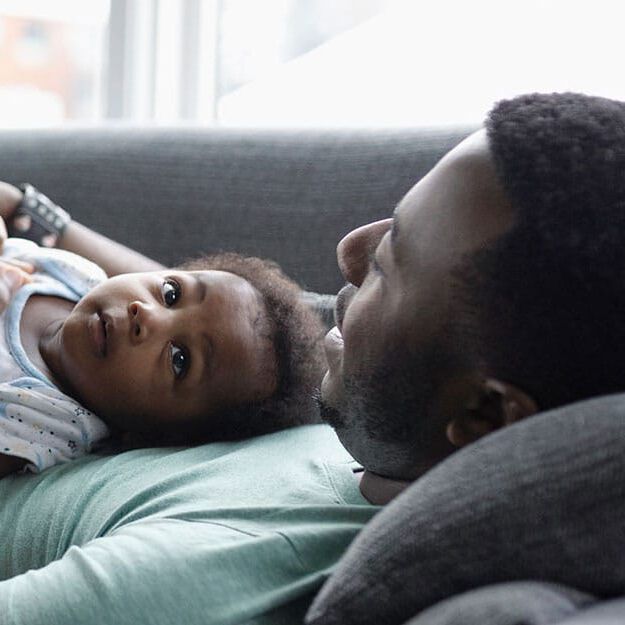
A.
x: 172, y: 193
x: 606, y: 613
x: 535, y: 501
x: 516, y: 603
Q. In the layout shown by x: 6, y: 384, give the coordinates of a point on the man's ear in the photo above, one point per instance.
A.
x: 493, y: 405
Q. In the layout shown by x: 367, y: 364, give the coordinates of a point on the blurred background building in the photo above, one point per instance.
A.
x: 298, y: 62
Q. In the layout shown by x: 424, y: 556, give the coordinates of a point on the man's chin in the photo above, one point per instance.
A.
x: 327, y: 412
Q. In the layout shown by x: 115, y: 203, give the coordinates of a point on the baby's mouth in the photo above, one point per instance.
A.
x: 99, y: 333
x: 104, y: 327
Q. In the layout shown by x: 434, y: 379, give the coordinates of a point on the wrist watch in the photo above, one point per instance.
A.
x: 38, y: 218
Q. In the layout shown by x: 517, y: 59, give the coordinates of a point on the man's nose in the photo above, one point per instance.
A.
x: 354, y: 250
x: 145, y: 320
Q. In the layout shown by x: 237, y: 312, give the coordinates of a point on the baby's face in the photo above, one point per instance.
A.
x: 161, y: 348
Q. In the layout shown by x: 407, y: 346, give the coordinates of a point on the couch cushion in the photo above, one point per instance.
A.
x: 605, y: 613
x: 322, y: 304
x: 515, y: 603
x: 543, y: 499
x: 172, y: 193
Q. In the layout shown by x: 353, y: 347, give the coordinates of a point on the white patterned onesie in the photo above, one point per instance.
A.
x: 38, y: 422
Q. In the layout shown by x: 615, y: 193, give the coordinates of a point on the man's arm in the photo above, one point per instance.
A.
x: 113, y: 257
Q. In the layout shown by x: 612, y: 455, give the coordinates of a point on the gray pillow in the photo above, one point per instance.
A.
x: 606, y: 613
x: 515, y: 603
x: 543, y: 499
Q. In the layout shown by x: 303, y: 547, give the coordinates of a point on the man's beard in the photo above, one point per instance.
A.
x: 383, y: 432
x: 389, y: 406
x: 389, y: 417
x: 393, y: 400
x: 328, y: 414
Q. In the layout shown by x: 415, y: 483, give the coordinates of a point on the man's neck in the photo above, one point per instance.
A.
x: 380, y: 490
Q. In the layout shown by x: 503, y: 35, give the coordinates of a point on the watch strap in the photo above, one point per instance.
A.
x: 38, y: 218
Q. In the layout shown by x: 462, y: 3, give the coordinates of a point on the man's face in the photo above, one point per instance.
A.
x: 399, y: 320
x: 150, y: 350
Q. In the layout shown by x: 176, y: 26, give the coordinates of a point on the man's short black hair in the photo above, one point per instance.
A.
x: 549, y: 295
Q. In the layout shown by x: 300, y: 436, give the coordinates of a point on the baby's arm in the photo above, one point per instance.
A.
x: 10, y: 464
x: 113, y: 257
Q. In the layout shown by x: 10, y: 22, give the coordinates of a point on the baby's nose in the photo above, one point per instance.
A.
x: 133, y: 319
x: 143, y: 321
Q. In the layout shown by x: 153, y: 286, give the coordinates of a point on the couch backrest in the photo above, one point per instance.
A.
x: 175, y: 193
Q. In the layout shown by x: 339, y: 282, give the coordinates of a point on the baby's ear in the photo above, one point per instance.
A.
x: 493, y: 405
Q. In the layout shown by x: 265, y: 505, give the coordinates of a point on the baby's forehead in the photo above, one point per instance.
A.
x: 216, y: 276
x: 243, y: 291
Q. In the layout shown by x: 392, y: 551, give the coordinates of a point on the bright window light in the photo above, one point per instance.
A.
x: 298, y: 63
x: 439, y: 62
x: 51, y: 59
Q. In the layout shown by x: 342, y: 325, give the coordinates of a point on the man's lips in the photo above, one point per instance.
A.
x: 333, y: 345
x: 343, y: 299
x: 333, y: 341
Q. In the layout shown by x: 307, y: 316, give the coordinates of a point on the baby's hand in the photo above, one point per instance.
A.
x: 13, y: 275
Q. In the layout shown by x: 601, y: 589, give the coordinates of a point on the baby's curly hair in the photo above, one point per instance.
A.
x: 297, y: 341
x: 549, y: 295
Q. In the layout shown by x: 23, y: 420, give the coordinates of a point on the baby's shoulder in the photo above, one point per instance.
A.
x: 75, y: 271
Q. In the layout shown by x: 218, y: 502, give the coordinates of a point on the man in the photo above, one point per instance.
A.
x: 495, y: 291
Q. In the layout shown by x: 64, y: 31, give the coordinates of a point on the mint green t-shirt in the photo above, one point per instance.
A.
x: 224, y: 533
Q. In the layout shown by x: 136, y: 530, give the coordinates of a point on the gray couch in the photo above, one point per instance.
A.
x: 170, y: 193
x: 523, y: 527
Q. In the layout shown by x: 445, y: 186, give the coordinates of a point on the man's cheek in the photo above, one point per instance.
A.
x: 362, y: 325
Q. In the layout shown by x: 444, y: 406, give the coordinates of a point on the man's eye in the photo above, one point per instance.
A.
x: 171, y: 292
x: 180, y: 361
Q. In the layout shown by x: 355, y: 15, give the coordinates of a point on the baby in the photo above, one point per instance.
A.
x: 219, y: 348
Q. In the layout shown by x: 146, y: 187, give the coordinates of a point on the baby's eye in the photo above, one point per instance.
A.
x: 180, y: 361
x: 171, y: 292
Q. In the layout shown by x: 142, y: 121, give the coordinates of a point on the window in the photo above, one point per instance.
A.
x: 50, y: 61
x: 418, y: 62
x: 310, y: 63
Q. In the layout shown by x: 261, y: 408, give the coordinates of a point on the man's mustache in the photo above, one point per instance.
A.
x: 343, y: 299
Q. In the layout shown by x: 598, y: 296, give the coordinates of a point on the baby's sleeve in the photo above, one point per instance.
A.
x: 44, y: 426
x: 74, y: 271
